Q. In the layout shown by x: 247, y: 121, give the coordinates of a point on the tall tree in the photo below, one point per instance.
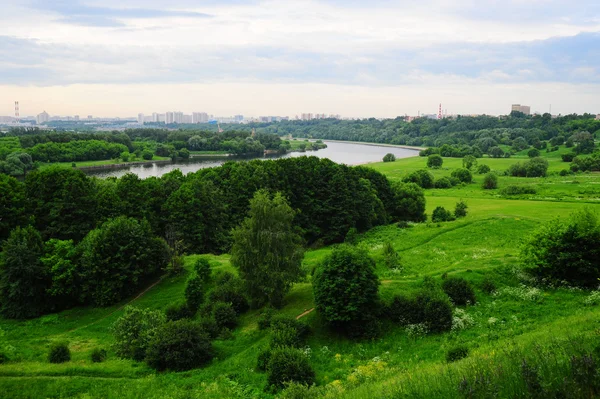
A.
x: 23, y: 278
x: 12, y: 203
x: 267, y: 250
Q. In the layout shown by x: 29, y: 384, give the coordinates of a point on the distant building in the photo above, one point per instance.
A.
x: 526, y: 109
x: 178, y: 117
x: 598, y: 117
x: 42, y: 118
x: 90, y: 117
x: 169, y: 117
x: 187, y: 118
x: 238, y: 118
x: 155, y: 117
x: 199, y: 117
x: 140, y: 119
x: 306, y: 117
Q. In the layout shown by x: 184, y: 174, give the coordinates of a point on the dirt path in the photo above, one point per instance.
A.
x: 116, y: 310
x: 309, y: 311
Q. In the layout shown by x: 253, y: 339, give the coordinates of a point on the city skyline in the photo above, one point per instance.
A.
x: 382, y: 58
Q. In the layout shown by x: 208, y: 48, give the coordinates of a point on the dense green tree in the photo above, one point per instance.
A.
x: 12, y: 204
x: 389, y: 157
x: 409, y: 201
x: 118, y: 258
x: 61, y: 260
x: 490, y: 181
x: 469, y: 162
x: 496, y: 152
x: 345, y: 288
x: 134, y: 330
x: 566, y: 250
x: 288, y: 365
x: 23, y: 278
x: 267, y: 249
x: 435, y: 161
x: 464, y: 175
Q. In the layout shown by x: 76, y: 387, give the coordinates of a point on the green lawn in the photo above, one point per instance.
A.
x: 84, y: 164
x: 486, y: 243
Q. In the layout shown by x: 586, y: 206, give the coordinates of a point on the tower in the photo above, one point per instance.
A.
x: 17, y: 116
x: 440, y: 112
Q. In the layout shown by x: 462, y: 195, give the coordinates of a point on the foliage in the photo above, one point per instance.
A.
x: 347, y: 310
x: 535, y: 167
x: 23, y: 278
x: 457, y: 353
x: 518, y: 190
x: 59, y: 352
x: 441, y: 214
x: 460, y: 210
x: 264, y: 320
x: 288, y: 332
x: 464, y: 175
x: 179, y: 346
x: 391, y: 257
x: 487, y: 285
x: 459, y: 290
x: 585, y: 164
x: 566, y: 251
x: 194, y: 292
x: 98, y: 355
x: 483, y: 169
x: 267, y: 250
x: 264, y: 356
x: 178, y: 311
x: 289, y: 365
x: 533, y: 153
x: 443, y: 182
x: 435, y: 311
x: 134, y: 330
x: 409, y: 202
x: 421, y: 177
x: 435, y: 161
x: 12, y: 204
x: 117, y: 258
x: 389, y: 157
x: 203, y: 269
x: 224, y: 315
x: 469, y: 162
x: 230, y: 291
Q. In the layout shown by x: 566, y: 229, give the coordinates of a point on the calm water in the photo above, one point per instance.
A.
x: 349, y: 154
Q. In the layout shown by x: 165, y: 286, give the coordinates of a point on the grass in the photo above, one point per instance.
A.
x: 84, y: 164
x: 545, y: 329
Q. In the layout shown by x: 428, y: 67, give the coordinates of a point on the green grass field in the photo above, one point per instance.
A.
x: 515, y: 322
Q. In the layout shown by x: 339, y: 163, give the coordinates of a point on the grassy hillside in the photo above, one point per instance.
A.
x: 516, y: 322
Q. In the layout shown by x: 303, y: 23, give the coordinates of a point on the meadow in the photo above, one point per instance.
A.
x: 515, y: 324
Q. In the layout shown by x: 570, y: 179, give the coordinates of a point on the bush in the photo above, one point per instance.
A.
x: 566, y: 251
x: 533, y: 153
x: 134, y: 330
x: 443, y: 182
x: 289, y: 365
x: 98, y: 355
x: 435, y: 161
x: 564, y: 172
x: 496, y: 152
x: 420, y: 177
x: 459, y: 290
x: 469, y: 162
x: 288, y: 332
x: 179, y: 346
x: 460, y: 210
x: 409, y: 202
x: 536, y: 167
x: 518, y: 190
x: 389, y: 157
x: 59, y: 352
x: 457, y: 353
x: 568, y: 157
x: 437, y: 312
x: 264, y: 320
x: 209, y: 325
x: 262, y: 362
x: 464, y: 175
x: 178, y: 311
x: 224, y: 315
x: 194, y: 293
x: 203, y: 269
x: 440, y: 214
x: 490, y: 181
x: 350, y: 311
x: 231, y: 293
x: 483, y: 169
x: 391, y: 258
x: 488, y: 286
x: 147, y: 155
x: 403, y: 310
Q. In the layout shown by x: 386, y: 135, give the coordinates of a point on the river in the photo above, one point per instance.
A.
x: 340, y: 152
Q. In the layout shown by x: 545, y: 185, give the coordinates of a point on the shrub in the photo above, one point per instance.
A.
x: 348, y: 310
x: 59, y: 352
x: 568, y: 157
x: 209, y: 325
x: 262, y: 362
x: 289, y: 365
x: 178, y: 311
x: 496, y: 152
x: 264, y: 320
x: 179, y: 346
x: 459, y: 290
x: 517, y: 170
x: 435, y: 161
x: 224, y: 315
x: 421, y: 177
x: 437, y: 314
x: 444, y: 182
x: 134, y: 330
x: 487, y: 285
x: 483, y: 169
x: 147, y: 155
x: 564, y: 172
x: 3, y: 358
x: 409, y: 202
x: 518, y: 190
x: 460, y: 210
x: 203, y: 269
x: 566, y: 251
x: 440, y: 214
x: 536, y: 167
x: 194, y: 293
x: 533, y: 153
x: 288, y: 332
x: 490, y: 181
x: 469, y: 162
x: 403, y: 310
x: 391, y: 258
x: 464, y: 175
x: 98, y: 355
x: 456, y: 353
x: 231, y: 293
x: 389, y: 157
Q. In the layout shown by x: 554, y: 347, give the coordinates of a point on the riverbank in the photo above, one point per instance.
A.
x: 406, y: 147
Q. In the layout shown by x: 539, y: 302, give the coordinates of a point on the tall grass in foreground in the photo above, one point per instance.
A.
x: 557, y: 369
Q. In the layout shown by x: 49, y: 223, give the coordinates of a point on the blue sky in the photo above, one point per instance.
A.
x: 350, y: 53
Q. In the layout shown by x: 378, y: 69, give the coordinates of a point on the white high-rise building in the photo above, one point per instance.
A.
x: 42, y: 118
x: 140, y: 119
x: 199, y: 117
x: 187, y: 118
x: 154, y: 117
x: 169, y: 117
x: 178, y: 117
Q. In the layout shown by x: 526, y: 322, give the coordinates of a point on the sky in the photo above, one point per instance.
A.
x: 376, y: 58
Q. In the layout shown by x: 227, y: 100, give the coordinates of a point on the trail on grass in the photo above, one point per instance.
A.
x: 305, y: 313
x: 116, y: 310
